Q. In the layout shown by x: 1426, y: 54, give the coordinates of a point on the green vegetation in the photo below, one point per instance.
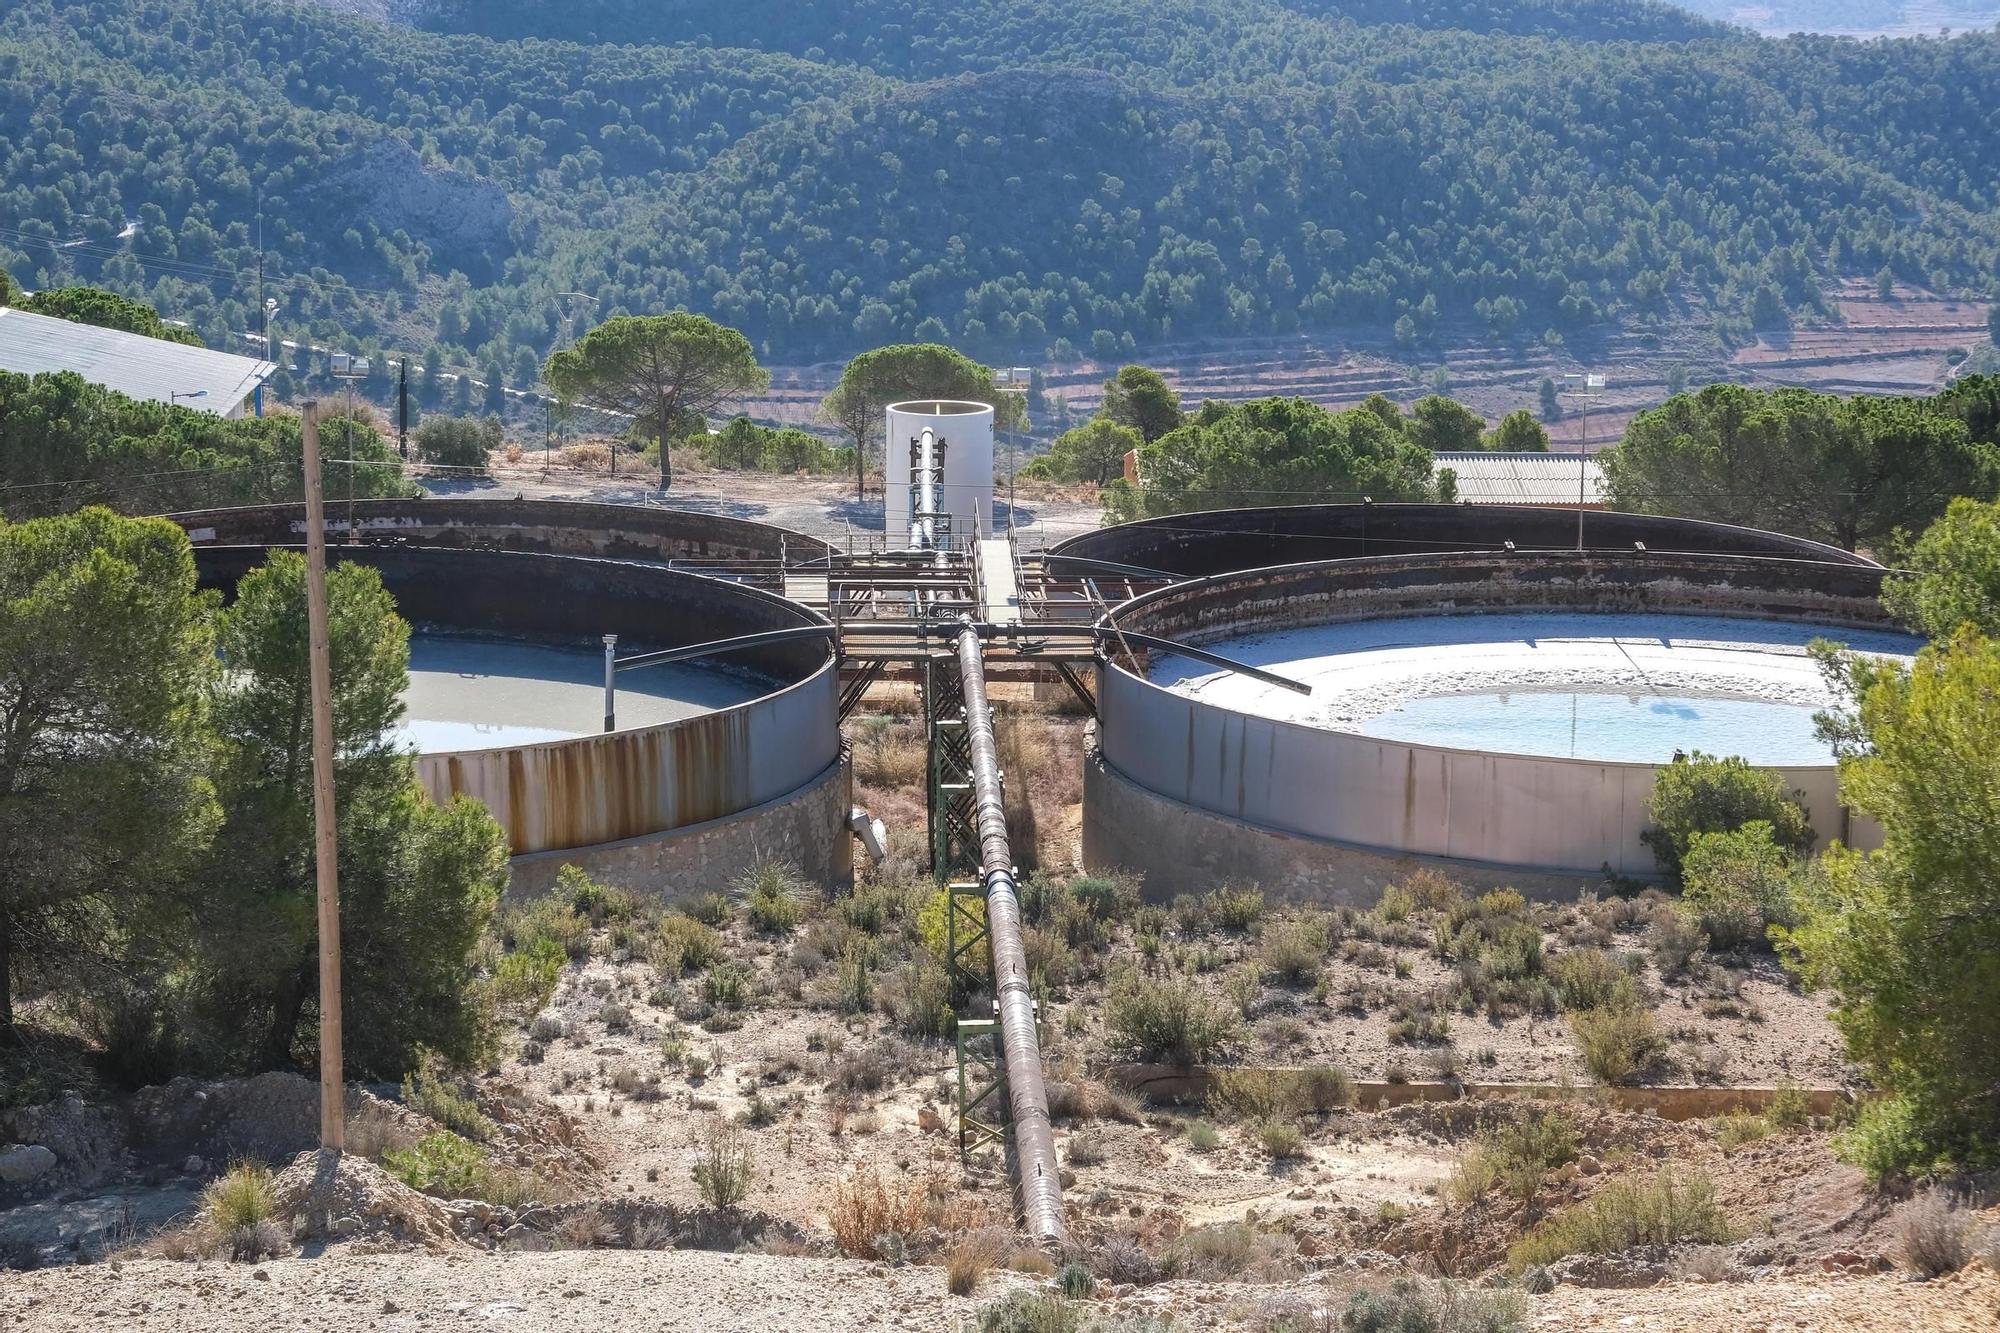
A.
x: 1671, y: 1208
x: 1093, y: 452
x: 170, y: 907
x: 775, y: 897
x: 1699, y: 793
x: 1617, y: 1037
x: 1515, y: 1157
x: 1850, y: 471
x: 242, y: 1196
x: 1908, y: 935
x: 744, y: 446
x: 667, y: 372
x: 71, y: 443
x: 107, y: 667
x: 89, y: 305
x: 1172, y: 1021
x: 1277, y: 451
x: 1417, y: 1305
x: 725, y: 1165
x: 1012, y: 177
x: 431, y: 1090
x: 1737, y: 884
x: 1954, y: 573
x: 907, y: 372
x: 459, y: 442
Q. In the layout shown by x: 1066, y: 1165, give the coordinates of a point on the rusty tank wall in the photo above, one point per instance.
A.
x: 1222, y: 540
x: 592, y: 790
x: 547, y: 527
x: 1302, y: 800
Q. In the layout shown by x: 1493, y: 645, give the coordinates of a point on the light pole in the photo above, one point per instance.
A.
x: 1588, y: 386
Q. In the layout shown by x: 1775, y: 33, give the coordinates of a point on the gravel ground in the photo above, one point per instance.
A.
x: 674, y: 1290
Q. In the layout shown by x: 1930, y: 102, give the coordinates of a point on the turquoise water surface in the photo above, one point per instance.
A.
x: 1578, y: 724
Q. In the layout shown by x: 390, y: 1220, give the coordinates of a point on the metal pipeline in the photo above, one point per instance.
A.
x: 923, y: 514
x: 1034, y: 1141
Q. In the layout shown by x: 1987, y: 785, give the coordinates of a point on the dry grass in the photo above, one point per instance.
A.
x: 1935, y: 1237
x: 972, y: 1257
x: 866, y: 1209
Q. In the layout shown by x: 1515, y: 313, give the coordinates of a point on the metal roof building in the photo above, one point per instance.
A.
x: 149, y: 369
x: 1525, y: 479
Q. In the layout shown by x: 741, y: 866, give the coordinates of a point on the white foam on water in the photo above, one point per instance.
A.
x: 475, y: 694
x: 1598, y: 686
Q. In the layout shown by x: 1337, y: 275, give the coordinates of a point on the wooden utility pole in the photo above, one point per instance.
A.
x: 326, y: 843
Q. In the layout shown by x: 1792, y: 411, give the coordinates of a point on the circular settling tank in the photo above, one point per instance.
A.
x: 1507, y: 710
x: 1617, y: 688
x: 482, y: 694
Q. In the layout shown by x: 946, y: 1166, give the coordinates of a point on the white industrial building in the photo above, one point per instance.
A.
x: 148, y: 369
x: 1526, y: 479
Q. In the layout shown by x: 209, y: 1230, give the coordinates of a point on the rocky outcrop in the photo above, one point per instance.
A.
x: 463, y: 218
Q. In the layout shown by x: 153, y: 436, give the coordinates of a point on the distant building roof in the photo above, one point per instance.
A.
x: 1524, y: 479
x: 150, y: 369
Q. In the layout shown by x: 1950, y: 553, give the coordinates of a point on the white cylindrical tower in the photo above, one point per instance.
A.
x: 967, y: 432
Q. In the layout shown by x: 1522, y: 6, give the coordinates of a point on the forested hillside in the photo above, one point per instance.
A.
x: 1020, y: 177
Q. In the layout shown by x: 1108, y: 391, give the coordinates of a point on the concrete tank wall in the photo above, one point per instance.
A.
x: 592, y: 790
x: 547, y: 527
x: 1223, y: 540
x: 967, y: 430
x: 1529, y: 813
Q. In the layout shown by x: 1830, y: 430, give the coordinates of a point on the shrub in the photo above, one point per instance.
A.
x: 1702, y: 794
x: 725, y: 1165
x: 1416, y: 1305
x: 1105, y: 897
x: 1586, y: 978
x: 869, y: 1217
x: 457, y: 441
x: 549, y: 917
x: 1789, y: 1107
x: 1234, y: 908
x: 971, y: 1258
x: 726, y: 985
x: 1261, y: 1094
x: 1202, y: 1136
x: 525, y: 981
x: 1737, y: 885
x: 1934, y: 1237
x: 682, y: 945
x: 1293, y: 951
x: 775, y: 897
x: 1738, y: 1128
x: 711, y: 908
x: 1029, y: 1312
x: 1280, y: 1138
x: 1669, y: 1209
x: 1085, y: 1149
x: 1169, y: 1020
x: 1617, y: 1038
x: 1224, y: 1250
x: 426, y: 1089
x: 591, y: 899
x: 1675, y: 943
x: 855, y: 989
x: 442, y: 1164
x: 1395, y: 904
x: 921, y: 1002
x: 1432, y: 891
x: 241, y: 1197
x: 1517, y: 1157
x: 1075, y: 1281
x: 1420, y: 1022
